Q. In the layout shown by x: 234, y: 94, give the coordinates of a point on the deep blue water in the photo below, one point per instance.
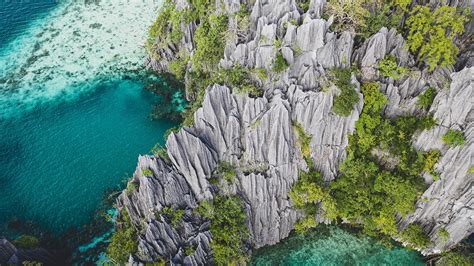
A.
x: 16, y: 15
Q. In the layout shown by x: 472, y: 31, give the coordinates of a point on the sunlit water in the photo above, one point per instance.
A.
x: 333, y: 246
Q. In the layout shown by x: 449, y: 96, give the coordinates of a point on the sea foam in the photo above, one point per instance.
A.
x: 66, y: 53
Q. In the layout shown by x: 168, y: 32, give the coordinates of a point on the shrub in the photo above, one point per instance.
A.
x: 415, y: 236
x: 229, y: 231
x: 305, y: 224
x: 304, y: 141
x: 147, y: 172
x: 431, y: 158
x: 161, y: 152
x: 454, y: 259
x: 280, y: 63
x: 348, y: 97
x: 388, y: 68
x: 123, y: 241
x: 348, y: 14
x: 426, y: 98
x: 26, y: 242
x: 308, y: 192
x: 431, y: 34
x: 210, y: 43
x: 131, y: 187
x: 173, y: 215
x: 227, y: 171
x: 177, y: 67
x: 205, y: 209
x: 454, y: 138
x: 443, y: 235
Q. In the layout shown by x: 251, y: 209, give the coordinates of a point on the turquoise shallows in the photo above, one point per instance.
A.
x: 331, y: 245
x: 57, y: 161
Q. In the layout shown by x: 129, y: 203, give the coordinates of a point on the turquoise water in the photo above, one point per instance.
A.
x: 333, y: 246
x: 74, y: 116
x: 57, y: 161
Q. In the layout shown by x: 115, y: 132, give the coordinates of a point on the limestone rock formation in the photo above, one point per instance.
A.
x: 257, y: 137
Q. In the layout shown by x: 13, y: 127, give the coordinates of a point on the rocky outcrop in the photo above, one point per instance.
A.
x: 448, y: 202
x: 10, y: 255
x: 256, y: 135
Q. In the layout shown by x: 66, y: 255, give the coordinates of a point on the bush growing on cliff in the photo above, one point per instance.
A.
x: 280, y: 63
x: 431, y: 34
x: 210, y: 42
x: 454, y: 259
x: 388, y: 68
x: 454, y: 138
x: 426, y: 98
x: 123, y: 241
x: 415, y: 236
x: 348, y: 14
x: 229, y: 230
x: 443, y: 235
x: 348, y: 97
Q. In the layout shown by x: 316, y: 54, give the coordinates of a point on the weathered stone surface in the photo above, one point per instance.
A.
x: 448, y: 202
x: 256, y: 135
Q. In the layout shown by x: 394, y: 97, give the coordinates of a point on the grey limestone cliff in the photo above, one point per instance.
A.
x: 257, y: 137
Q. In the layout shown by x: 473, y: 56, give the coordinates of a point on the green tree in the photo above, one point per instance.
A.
x: 431, y: 34
x: 415, y: 236
x: 348, y: 97
x: 388, y: 67
x: 123, y: 241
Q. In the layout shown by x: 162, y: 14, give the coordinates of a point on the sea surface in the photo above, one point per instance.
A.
x: 331, y: 245
x: 74, y: 117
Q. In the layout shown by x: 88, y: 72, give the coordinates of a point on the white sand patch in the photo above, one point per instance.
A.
x: 73, y: 48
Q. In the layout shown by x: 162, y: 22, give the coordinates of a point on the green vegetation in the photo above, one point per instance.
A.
x: 303, y: 4
x: 123, y: 241
x: 147, y: 172
x: 348, y: 14
x: 431, y: 34
x: 415, y: 236
x: 26, y: 242
x: 177, y: 67
x: 210, y: 42
x: 161, y: 152
x: 171, y: 214
x: 454, y: 138
x: 309, y: 191
x: 228, y: 228
x: 426, y: 99
x: 305, y: 224
x: 443, y: 235
x: 205, y: 209
x: 388, y: 67
x: 280, y: 63
x: 367, y: 191
x: 348, y: 97
x: 227, y: 171
x: 304, y: 141
x: 454, y: 259
x: 431, y: 158
x: 131, y: 187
